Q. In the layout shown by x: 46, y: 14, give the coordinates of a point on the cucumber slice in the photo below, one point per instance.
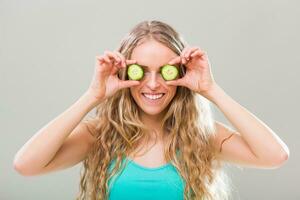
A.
x: 169, y: 72
x: 135, y: 72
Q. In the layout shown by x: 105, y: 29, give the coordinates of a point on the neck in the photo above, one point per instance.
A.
x: 155, y: 123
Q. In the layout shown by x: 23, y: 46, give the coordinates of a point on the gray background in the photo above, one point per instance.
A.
x: 47, y: 51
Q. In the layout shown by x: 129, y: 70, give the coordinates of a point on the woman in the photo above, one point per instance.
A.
x: 163, y: 130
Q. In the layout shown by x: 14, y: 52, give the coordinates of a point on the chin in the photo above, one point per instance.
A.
x: 152, y: 111
x: 153, y: 106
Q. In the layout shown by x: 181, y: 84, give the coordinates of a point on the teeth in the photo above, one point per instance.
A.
x: 153, y: 96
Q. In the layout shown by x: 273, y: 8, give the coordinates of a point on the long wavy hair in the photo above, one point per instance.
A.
x: 188, y: 125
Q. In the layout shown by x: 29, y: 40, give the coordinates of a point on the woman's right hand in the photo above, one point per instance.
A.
x: 105, y: 80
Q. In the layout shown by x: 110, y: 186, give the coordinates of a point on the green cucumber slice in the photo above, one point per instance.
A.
x: 169, y: 72
x: 135, y: 72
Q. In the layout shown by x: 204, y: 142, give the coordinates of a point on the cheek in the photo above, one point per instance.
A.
x: 134, y: 92
x: 173, y: 91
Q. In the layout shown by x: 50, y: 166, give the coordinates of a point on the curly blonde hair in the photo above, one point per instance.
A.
x: 188, y: 125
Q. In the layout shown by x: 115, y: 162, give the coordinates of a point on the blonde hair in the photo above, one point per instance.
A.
x: 188, y: 125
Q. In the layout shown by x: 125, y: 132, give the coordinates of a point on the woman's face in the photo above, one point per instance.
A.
x: 153, y: 55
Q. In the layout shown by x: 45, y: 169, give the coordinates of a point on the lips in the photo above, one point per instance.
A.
x: 152, y: 101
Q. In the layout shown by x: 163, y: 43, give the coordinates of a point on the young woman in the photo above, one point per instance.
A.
x: 152, y: 138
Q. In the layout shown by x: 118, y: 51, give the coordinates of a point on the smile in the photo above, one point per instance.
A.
x: 153, y: 98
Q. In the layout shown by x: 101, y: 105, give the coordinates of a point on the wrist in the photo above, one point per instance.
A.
x: 214, y: 93
x: 91, y: 99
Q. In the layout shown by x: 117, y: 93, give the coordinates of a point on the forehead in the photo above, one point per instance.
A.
x: 152, y: 54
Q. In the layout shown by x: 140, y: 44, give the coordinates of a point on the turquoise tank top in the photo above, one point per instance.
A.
x: 138, y: 182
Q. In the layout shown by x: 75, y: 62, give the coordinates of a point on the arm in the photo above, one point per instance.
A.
x: 254, y: 143
x: 37, y: 152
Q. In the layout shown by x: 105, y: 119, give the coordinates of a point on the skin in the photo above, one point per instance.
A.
x: 258, y: 145
x: 154, y: 55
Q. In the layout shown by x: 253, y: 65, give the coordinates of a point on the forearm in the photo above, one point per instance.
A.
x: 264, y: 143
x: 42, y: 147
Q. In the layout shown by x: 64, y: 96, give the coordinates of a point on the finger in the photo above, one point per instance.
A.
x: 103, y: 58
x: 100, y: 59
x: 184, y: 50
x: 106, y: 59
x: 111, y: 55
x: 129, y: 62
x: 198, y: 53
x: 183, y: 59
x: 128, y: 83
x: 116, y: 60
x: 121, y: 56
x: 175, y: 60
x: 178, y: 82
x: 117, y: 64
x: 114, y: 71
x: 189, y: 51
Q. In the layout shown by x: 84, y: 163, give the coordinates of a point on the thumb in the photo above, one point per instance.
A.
x: 175, y: 82
x: 128, y: 83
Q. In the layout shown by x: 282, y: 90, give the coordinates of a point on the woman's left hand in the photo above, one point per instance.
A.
x: 198, y: 76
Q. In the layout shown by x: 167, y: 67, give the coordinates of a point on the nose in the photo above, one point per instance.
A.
x: 153, y: 80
